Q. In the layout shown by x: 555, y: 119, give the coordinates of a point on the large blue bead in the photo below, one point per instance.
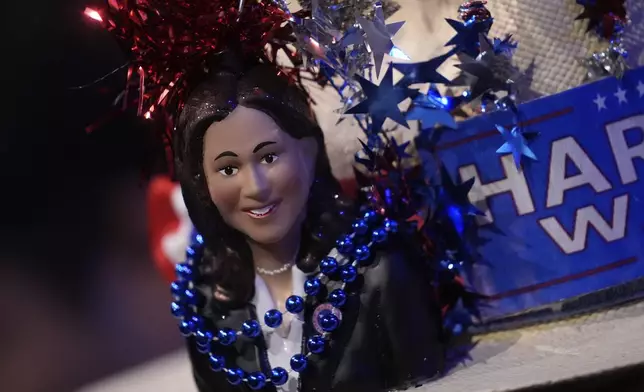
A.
x: 329, y: 265
x: 273, y: 318
x: 192, y: 297
x: 338, y: 298
x: 203, y: 338
x: 360, y: 227
x: 190, y: 252
x: 312, y: 286
x: 348, y: 273
x: 198, y: 238
x: 298, y: 362
x: 391, y: 225
x: 235, y: 376
x: 185, y: 271
x: 379, y: 235
x: 328, y: 321
x: 197, y: 323
x: 251, y: 328
x: 217, y: 362
x: 362, y: 253
x: 186, y: 327
x: 177, y: 288
x: 370, y: 216
x: 256, y: 380
x: 177, y: 310
x: 316, y: 344
x: 294, y: 304
x: 344, y: 245
x: 227, y: 336
x: 279, y: 376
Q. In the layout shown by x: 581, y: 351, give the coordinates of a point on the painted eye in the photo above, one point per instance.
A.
x: 228, y: 171
x: 269, y: 158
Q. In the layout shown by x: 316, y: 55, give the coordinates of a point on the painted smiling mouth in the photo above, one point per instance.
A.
x: 262, y: 212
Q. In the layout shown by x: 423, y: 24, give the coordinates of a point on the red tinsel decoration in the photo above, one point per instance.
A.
x: 474, y: 9
x: 605, y: 13
x: 169, y: 42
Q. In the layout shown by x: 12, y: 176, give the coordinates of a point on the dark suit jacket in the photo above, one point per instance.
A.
x: 389, y: 338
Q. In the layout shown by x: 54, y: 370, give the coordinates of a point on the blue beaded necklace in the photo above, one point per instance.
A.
x: 354, y: 250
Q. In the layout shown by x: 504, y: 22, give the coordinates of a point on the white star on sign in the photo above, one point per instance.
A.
x: 640, y: 88
x: 600, y: 102
x: 621, y: 95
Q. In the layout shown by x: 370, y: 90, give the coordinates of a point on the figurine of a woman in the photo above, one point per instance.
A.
x: 294, y: 293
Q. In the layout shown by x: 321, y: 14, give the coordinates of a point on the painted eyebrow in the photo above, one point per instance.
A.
x: 226, y: 154
x: 257, y: 148
x: 262, y: 145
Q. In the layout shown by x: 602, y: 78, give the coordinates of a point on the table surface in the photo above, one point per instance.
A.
x: 502, y: 361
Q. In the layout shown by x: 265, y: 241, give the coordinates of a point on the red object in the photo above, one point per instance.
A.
x: 604, y: 13
x: 169, y: 44
x: 474, y: 9
x: 162, y: 220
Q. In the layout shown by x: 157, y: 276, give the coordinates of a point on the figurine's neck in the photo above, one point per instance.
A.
x: 274, y: 256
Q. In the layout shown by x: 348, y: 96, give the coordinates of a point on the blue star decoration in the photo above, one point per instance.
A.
x: 486, y: 80
x: 378, y: 35
x: 505, y: 46
x: 370, y: 159
x: 400, y: 149
x: 382, y: 101
x: 426, y: 142
x: 430, y: 109
x: 454, y: 202
x: 424, y: 72
x: 466, y: 39
x: 448, y: 103
x: 516, y: 144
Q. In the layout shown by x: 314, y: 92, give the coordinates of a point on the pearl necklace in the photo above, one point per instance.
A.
x: 277, y: 271
x: 354, y: 250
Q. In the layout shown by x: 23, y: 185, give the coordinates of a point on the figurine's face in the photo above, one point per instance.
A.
x: 258, y: 176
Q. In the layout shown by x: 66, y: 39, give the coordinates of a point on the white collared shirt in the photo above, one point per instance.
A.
x: 284, y: 342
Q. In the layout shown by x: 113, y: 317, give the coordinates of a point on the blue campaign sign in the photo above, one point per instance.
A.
x: 572, y: 221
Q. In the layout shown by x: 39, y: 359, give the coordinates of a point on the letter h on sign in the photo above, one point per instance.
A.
x: 514, y: 182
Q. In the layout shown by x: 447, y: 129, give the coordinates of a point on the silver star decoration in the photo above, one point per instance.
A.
x: 610, y: 61
x: 342, y: 13
x: 379, y: 35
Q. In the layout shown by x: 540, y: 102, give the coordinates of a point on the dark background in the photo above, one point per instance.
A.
x: 79, y: 295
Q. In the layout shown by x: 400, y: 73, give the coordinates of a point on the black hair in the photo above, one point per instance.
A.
x: 258, y: 86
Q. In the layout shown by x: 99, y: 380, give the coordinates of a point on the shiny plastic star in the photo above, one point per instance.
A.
x: 448, y: 103
x: 505, y: 46
x: 466, y: 39
x: 610, y: 61
x: 485, y: 78
x: 379, y: 35
x: 453, y: 196
x: 370, y: 159
x: 382, y: 101
x: 425, y: 72
x: 516, y: 144
x: 400, y: 149
x: 430, y: 113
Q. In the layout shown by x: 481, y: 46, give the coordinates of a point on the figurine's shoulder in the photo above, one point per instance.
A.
x: 392, y: 266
